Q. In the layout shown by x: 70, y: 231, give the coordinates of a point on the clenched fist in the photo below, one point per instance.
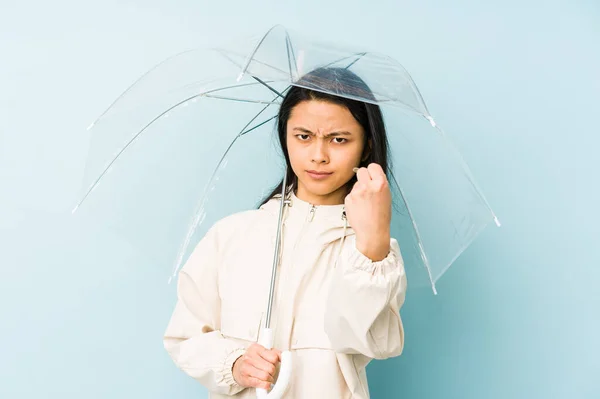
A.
x: 369, y: 212
x: 257, y: 367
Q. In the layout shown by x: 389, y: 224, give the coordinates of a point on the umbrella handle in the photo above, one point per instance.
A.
x: 285, y: 371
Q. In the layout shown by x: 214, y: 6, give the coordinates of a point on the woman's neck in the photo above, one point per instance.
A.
x: 335, y: 198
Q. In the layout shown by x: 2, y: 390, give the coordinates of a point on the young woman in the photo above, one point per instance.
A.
x: 341, y: 281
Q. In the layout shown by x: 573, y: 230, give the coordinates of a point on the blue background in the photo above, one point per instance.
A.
x: 515, y: 84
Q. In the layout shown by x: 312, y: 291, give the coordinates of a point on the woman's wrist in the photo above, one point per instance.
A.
x: 375, y: 248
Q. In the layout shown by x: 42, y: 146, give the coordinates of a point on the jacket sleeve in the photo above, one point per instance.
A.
x: 362, y: 314
x: 192, y: 337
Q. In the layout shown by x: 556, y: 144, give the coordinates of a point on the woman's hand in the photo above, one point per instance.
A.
x: 369, y: 212
x: 256, y: 368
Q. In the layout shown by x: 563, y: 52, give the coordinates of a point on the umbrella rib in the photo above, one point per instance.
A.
x: 343, y: 58
x: 360, y: 56
x: 257, y: 126
x: 256, y: 61
x: 218, y: 89
x: 136, y: 82
x: 198, y: 212
x: 230, y: 87
x: 122, y: 150
x: 293, y: 54
x: 466, y: 170
x: 287, y: 47
x: 137, y: 135
x: 417, y: 233
x: 267, y: 86
x: 244, y: 100
x: 182, y: 87
x: 251, y: 57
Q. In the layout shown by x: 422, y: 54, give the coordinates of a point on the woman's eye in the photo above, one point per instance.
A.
x: 339, y: 140
x: 303, y: 137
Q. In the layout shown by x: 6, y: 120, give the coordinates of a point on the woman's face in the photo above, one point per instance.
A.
x: 324, y: 143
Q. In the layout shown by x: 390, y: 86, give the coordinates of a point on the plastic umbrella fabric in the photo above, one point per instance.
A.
x: 193, y: 140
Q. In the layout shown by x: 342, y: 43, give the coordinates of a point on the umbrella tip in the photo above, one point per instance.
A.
x: 430, y: 119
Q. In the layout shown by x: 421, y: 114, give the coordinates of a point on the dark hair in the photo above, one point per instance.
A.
x: 311, y: 87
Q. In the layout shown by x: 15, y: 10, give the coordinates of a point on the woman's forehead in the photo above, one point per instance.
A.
x: 321, y: 117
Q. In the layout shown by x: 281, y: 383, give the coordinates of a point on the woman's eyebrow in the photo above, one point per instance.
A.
x: 303, y: 130
x: 341, y: 133
x: 332, y: 134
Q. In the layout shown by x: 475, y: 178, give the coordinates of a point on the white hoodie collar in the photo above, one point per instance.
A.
x: 305, y: 208
x: 329, y: 221
x: 316, y: 212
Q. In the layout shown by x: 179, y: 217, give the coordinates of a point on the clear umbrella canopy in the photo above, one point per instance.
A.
x: 194, y: 140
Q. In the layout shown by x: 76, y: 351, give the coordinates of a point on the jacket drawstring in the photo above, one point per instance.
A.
x: 342, y: 240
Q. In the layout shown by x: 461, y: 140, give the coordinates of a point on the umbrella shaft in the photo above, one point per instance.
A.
x: 276, y: 256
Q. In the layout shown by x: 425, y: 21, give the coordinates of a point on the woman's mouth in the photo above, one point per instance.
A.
x: 318, y: 175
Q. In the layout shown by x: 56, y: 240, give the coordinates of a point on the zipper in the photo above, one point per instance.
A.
x: 285, y: 273
x: 312, y: 213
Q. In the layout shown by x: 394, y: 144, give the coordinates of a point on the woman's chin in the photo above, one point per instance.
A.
x: 322, y: 189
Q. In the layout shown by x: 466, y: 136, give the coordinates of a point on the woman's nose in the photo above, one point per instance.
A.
x: 320, y: 153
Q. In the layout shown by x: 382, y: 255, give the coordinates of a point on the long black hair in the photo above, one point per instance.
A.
x: 312, y: 86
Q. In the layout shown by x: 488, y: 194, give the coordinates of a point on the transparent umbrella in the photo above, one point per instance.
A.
x: 193, y: 140
x: 208, y: 117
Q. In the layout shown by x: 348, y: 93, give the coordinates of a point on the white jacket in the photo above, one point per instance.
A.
x: 334, y: 308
